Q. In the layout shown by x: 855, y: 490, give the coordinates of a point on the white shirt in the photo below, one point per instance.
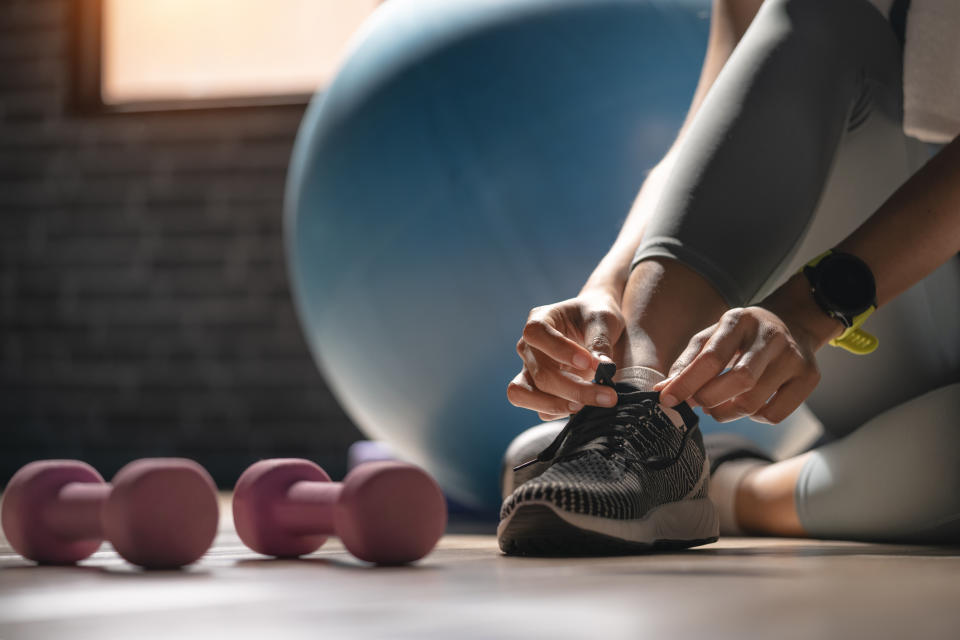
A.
x: 931, y: 69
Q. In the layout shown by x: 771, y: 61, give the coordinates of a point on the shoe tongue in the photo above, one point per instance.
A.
x: 629, y: 393
x: 626, y: 389
x: 570, y: 443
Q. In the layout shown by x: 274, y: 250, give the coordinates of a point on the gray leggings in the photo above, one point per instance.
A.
x: 797, y: 143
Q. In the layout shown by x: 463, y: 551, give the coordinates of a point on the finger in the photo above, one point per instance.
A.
x: 524, y: 353
x: 726, y: 412
x: 547, y: 377
x: 522, y: 393
x: 575, y: 389
x: 706, y: 365
x: 583, y: 374
x: 746, y: 372
x: 546, y: 417
x: 750, y: 402
x: 693, y: 348
x: 788, y: 398
x: 689, y: 353
x: 541, y: 335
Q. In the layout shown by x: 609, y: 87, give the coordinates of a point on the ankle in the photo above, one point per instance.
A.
x: 764, y: 502
x: 639, y: 376
x: 643, y: 378
x: 726, y: 486
x: 747, y: 502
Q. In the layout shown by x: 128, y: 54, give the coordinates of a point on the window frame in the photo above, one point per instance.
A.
x: 87, y: 76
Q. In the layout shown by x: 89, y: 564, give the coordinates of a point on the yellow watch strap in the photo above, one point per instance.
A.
x: 856, y: 340
x: 820, y: 257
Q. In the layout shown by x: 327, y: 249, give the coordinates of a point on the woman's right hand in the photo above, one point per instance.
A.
x: 562, y: 345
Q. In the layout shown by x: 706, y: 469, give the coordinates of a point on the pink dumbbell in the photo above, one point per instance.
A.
x: 384, y: 512
x: 158, y: 513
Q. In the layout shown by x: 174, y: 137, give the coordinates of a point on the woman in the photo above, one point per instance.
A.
x: 794, y: 145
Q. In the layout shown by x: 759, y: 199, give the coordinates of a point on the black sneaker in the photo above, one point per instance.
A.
x: 615, y: 480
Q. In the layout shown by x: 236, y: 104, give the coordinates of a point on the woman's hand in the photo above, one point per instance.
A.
x: 750, y: 363
x: 562, y: 345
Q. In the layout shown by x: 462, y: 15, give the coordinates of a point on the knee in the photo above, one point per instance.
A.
x: 920, y: 437
x: 930, y: 455
x: 894, y: 479
x: 823, y: 13
x: 824, y: 23
x: 936, y: 449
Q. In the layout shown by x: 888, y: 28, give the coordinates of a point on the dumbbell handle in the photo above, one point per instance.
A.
x: 308, y: 507
x: 76, y: 513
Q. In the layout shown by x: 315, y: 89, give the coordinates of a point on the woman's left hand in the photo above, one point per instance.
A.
x: 749, y: 363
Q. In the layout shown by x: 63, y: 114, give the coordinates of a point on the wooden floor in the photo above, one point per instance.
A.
x: 737, y: 588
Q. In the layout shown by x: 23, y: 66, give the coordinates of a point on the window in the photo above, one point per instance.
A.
x: 153, y: 54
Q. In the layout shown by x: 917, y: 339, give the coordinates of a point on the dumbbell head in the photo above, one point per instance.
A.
x: 162, y: 512
x: 259, y: 490
x: 390, y: 512
x: 30, y: 493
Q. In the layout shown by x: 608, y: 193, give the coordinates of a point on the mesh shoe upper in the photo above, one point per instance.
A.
x: 619, y: 462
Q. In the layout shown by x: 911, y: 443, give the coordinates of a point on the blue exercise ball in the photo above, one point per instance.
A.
x: 472, y: 159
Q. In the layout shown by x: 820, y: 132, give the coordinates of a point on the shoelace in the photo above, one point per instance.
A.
x: 615, y: 425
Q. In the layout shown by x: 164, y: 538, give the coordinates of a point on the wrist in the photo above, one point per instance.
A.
x: 794, y: 304
x: 606, y: 290
x: 606, y: 280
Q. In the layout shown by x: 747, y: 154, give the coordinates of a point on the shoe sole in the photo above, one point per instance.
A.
x: 540, y: 529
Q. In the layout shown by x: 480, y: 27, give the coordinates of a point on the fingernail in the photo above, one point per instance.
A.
x: 575, y: 407
x: 581, y: 361
x: 606, y: 397
x: 668, y: 401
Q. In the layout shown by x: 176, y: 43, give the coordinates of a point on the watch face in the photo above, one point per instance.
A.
x: 846, y: 283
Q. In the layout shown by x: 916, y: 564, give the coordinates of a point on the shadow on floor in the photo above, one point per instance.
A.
x: 820, y: 548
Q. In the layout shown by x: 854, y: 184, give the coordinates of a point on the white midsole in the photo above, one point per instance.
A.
x: 687, y: 519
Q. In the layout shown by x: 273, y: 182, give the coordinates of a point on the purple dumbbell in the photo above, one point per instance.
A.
x: 159, y: 513
x: 384, y: 512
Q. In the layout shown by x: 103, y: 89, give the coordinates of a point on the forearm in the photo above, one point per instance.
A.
x: 915, y: 231
x: 610, y: 275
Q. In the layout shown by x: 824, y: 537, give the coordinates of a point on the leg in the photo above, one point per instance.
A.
x: 660, y: 322
x: 871, y: 161
x: 765, y: 502
x: 919, y: 347
x: 893, y: 479
x: 752, y: 169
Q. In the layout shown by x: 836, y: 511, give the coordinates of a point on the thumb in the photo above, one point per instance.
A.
x: 601, y: 333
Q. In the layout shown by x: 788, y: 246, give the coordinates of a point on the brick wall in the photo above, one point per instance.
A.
x: 144, y: 305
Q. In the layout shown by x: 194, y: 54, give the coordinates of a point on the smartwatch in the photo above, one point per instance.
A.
x: 843, y: 286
